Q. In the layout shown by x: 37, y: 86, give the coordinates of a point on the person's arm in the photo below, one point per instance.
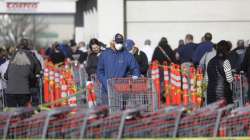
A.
x: 101, y: 71
x: 134, y: 67
x: 228, y: 71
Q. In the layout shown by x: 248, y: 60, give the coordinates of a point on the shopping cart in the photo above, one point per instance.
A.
x: 74, y: 124
x: 237, y: 123
x: 103, y: 126
x: 11, y: 118
x: 163, y: 123
x: 124, y: 93
x: 239, y: 88
x: 203, y: 122
x: 38, y: 126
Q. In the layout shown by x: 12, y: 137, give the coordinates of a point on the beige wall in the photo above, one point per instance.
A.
x: 226, y: 19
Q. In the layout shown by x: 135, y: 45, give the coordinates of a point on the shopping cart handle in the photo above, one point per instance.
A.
x: 38, y: 76
x: 136, y: 110
x: 100, y: 112
x: 242, y: 72
x: 234, y: 71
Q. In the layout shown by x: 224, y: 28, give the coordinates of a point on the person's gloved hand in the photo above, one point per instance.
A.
x: 135, y: 77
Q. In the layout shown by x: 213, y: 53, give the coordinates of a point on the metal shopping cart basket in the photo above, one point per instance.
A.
x: 74, y: 124
x: 124, y: 93
x: 163, y: 123
x: 11, y: 118
x: 203, y: 122
x: 236, y: 124
x: 39, y: 125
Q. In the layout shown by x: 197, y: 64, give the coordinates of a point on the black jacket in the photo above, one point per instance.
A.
x: 82, y: 56
x: 218, y: 87
x: 245, y: 66
x: 142, y: 60
x: 236, y: 58
x: 92, y: 62
x: 57, y: 57
x: 160, y: 57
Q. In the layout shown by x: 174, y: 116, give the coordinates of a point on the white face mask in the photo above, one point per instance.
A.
x: 118, y: 47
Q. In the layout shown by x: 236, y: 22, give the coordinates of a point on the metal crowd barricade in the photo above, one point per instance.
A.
x: 124, y: 93
x: 80, y: 77
x: 38, y: 126
x: 203, y: 122
x: 98, y: 90
x: 40, y: 84
x: 237, y: 123
x: 11, y: 118
x: 163, y: 123
x: 239, y: 88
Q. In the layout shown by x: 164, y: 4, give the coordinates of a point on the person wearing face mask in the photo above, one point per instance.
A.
x: 93, y: 57
x: 116, y: 62
x: 220, y: 75
x: 139, y: 55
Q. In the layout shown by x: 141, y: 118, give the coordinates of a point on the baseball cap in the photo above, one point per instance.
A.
x: 118, y: 38
x: 130, y: 44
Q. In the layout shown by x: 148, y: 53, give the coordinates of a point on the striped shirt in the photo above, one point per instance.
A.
x: 228, y: 71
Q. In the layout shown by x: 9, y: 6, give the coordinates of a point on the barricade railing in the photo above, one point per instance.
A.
x: 64, y: 81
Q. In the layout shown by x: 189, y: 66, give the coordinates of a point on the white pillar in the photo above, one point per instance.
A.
x: 79, y: 36
x: 110, y: 19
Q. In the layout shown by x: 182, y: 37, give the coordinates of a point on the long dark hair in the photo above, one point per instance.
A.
x: 223, y: 49
x: 163, y: 42
x: 93, y: 41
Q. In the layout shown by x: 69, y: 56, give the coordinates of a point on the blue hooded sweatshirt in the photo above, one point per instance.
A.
x: 65, y: 50
x: 116, y: 64
x: 201, y: 50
